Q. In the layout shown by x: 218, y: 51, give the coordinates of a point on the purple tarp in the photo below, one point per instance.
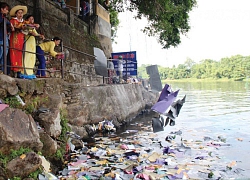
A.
x: 165, y: 92
x: 166, y: 100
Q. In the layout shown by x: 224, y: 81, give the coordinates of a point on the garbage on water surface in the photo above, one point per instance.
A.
x: 145, y: 155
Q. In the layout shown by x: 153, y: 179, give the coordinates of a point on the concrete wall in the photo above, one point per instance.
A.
x: 102, y: 13
x: 84, y: 104
x: 87, y: 105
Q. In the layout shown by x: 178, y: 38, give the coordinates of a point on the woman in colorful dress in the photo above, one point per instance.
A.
x: 29, y: 57
x: 17, y: 39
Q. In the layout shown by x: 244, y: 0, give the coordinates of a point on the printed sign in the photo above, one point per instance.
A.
x: 129, y: 62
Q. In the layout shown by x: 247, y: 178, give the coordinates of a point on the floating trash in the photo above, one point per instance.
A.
x: 148, y: 155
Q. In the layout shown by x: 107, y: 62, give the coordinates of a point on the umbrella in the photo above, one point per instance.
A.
x: 100, y: 62
x: 165, y: 92
x: 175, y: 108
x: 162, y: 106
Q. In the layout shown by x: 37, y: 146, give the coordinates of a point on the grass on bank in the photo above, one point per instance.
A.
x: 202, y: 80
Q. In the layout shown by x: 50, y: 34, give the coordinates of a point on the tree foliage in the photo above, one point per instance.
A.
x: 142, y: 72
x: 235, y: 68
x: 167, y: 19
x: 114, y: 21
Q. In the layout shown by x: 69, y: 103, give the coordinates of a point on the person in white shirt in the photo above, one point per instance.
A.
x: 120, y: 68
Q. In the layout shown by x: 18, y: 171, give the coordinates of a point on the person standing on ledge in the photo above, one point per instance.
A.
x: 29, y: 57
x: 120, y: 68
x: 17, y: 39
x: 111, y: 70
x: 4, y: 11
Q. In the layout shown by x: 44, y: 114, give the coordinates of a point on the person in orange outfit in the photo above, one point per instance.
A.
x: 17, y: 39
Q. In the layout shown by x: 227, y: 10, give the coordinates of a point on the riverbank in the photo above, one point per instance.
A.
x: 168, y: 81
x: 38, y: 114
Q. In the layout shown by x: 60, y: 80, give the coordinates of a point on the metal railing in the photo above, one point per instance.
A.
x: 4, y: 46
x: 6, y: 66
x: 126, y: 77
x: 62, y: 61
x: 82, y: 65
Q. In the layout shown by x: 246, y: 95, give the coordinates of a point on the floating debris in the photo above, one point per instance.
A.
x: 106, y: 125
x: 136, y: 155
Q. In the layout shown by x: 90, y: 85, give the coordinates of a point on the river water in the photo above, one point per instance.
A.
x: 214, y: 109
x: 222, y: 108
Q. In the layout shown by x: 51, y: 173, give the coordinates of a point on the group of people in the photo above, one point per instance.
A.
x: 111, y: 70
x: 22, y: 48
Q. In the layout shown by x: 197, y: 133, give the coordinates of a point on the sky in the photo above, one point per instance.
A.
x: 219, y: 29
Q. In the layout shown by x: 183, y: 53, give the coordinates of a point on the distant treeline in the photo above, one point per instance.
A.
x: 236, y: 68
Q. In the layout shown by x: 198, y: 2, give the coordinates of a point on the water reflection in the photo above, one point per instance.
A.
x: 215, y: 98
x: 233, y: 86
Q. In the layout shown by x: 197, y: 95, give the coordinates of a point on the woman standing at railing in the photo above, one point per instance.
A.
x: 29, y: 57
x: 3, y: 12
x: 17, y: 39
x: 49, y: 48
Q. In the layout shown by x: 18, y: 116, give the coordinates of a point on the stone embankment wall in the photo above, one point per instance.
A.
x: 90, y: 104
x: 45, y: 99
x: 56, y: 21
x: 84, y: 104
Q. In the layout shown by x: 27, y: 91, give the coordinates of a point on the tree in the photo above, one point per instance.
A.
x: 163, y: 72
x: 189, y: 63
x: 114, y: 21
x: 142, y: 72
x: 183, y: 71
x: 235, y: 67
x: 167, y: 19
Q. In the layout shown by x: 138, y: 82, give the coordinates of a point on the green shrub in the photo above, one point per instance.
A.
x: 13, y: 154
x: 29, y: 106
x: 64, y: 125
x: 35, y: 174
x: 13, y: 102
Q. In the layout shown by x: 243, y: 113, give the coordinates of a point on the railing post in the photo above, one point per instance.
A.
x: 4, y: 46
x: 78, y: 7
x: 62, y: 70
x: 126, y: 70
